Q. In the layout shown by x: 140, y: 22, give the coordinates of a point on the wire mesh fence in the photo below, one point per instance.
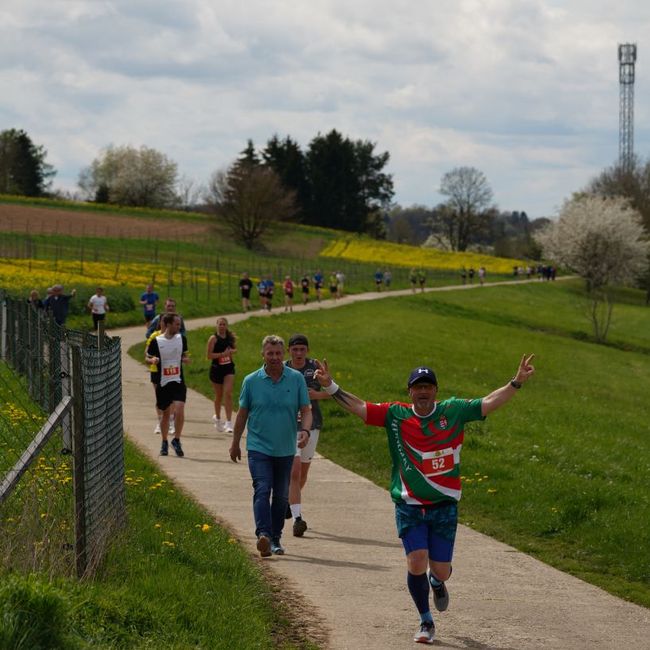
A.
x: 61, y: 453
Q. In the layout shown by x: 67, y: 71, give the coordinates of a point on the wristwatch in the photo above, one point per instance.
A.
x: 307, y: 431
x: 515, y: 384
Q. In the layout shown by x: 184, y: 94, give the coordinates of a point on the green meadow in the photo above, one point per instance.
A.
x: 562, y: 472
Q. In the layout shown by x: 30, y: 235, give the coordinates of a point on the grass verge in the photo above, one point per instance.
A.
x: 174, y: 579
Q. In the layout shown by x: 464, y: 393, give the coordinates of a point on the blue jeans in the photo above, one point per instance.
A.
x: 271, y: 476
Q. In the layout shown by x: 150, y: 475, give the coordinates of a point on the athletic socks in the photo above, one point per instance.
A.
x: 295, y: 510
x: 419, y: 588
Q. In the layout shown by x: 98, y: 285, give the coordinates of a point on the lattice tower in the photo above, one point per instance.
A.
x: 626, y: 59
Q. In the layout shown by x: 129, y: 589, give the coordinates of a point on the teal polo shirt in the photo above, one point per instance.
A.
x: 272, y: 409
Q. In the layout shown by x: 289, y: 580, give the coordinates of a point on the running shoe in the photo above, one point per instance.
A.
x: 440, y: 595
x: 426, y: 633
x: 299, y: 527
x: 172, y: 427
x: 276, y: 547
x: 176, y: 444
x: 164, y: 448
x: 264, y: 545
x: 229, y: 427
x: 157, y: 429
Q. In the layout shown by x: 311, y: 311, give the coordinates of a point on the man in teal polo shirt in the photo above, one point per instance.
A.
x: 269, y: 401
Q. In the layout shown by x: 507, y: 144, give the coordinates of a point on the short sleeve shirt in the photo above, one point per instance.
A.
x: 308, y: 371
x: 150, y: 302
x: 425, y: 452
x: 272, y: 409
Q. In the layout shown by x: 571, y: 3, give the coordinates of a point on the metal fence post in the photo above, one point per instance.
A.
x: 66, y: 424
x: 79, y: 460
x: 3, y: 334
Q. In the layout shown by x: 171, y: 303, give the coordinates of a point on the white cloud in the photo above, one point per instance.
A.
x: 526, y: 91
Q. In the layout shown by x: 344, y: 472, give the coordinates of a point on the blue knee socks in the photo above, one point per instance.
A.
x: 419, y: 588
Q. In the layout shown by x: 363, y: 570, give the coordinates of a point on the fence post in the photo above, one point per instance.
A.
x: 78, y: 462
x: 66, y: 423
x: 3, y: 334
x: 101, y: 326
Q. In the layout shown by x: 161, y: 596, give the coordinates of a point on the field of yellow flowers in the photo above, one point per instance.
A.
x: 385, y: 253
x: 27, y: 273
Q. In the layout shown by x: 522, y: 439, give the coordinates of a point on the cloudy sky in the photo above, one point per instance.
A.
x: 526, y: 91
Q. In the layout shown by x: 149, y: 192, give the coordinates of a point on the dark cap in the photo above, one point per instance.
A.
x: 298, y: 339
x: 423, y: 374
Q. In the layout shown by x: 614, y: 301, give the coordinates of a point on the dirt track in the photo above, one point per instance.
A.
x: 49, y: 221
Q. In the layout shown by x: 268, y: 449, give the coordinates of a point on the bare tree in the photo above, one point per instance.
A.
x: 250, y: 198
x: 603, y: 241
x: 467, y: 209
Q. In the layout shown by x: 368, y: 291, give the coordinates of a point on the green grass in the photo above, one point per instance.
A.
x: 569, y: 458
x: 168, y: 582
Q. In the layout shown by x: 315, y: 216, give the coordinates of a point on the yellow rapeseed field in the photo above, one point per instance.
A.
x: 387, y: 253
x: 26, y: 274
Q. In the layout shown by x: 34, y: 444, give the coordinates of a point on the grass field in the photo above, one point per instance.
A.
x: 173, y: 580
x: 563, y: 472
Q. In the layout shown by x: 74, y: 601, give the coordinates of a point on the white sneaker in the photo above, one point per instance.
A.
x: 157, y: 429
x: 172, y: 426
x: 426, y: 633
x: 229, y: 428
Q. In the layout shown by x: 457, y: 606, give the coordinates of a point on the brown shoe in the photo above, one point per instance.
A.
x: 264, y: 545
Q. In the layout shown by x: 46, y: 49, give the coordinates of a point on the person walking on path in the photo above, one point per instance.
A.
x: 422, y: 278
x: 413, y: 279
x: 304, y: 285
x: 222, y: 345
x: 425, y: 439
x: 98, y: 306
x: 298, y: 350
x: 58, y: 303
x: 334, y: 285
x: 288, y: 288
x: 379, y: 279
x: 154, y: 377
x: 170, y: 308
x: 269, y: 400
x: 149, y: 300
x: 169, y: 352
x: 319, y: 280
x: 245, y: 286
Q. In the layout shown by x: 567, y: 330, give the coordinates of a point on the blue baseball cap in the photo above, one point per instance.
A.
x: 422, y: 374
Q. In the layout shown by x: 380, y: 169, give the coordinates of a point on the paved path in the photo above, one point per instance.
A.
x: 350, y: 566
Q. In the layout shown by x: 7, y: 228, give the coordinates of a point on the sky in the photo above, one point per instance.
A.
x: 526, y: 91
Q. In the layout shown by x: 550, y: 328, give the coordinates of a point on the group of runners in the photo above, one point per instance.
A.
x: 279, y: 407
x: 266, y: 289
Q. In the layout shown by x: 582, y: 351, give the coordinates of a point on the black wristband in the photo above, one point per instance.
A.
x: 515, y: 384
x: 307, y: 431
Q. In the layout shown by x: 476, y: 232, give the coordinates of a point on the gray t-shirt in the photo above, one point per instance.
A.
x: 307, y: 371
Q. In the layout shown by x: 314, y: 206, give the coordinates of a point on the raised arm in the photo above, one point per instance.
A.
x: 345, y: 400
x: 504, y: 394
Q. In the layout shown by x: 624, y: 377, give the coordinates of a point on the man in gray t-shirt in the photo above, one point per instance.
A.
x: 298, y: 349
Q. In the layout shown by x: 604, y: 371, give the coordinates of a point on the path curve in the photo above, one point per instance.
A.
x: 350, y: 567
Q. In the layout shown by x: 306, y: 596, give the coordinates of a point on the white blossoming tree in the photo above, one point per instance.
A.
x: 603, y: 241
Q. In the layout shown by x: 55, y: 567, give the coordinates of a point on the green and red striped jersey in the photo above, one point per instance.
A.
x: 425, y: 451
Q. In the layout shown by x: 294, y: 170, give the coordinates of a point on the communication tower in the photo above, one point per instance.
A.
x: 626, y: 60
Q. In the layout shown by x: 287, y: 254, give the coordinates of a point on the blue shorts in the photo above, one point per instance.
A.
x: 433, y: 528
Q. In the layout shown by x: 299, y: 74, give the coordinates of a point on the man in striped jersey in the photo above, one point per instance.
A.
x: 425, y: 438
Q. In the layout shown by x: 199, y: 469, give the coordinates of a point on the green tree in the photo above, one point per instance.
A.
x: 348, y: 186
x: 250, y: 198
x: 23, y: 169
x: 287, y: 160
x: 125, y: 175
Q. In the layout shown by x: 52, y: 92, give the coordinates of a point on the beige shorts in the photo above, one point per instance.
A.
x: 308, y: 451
